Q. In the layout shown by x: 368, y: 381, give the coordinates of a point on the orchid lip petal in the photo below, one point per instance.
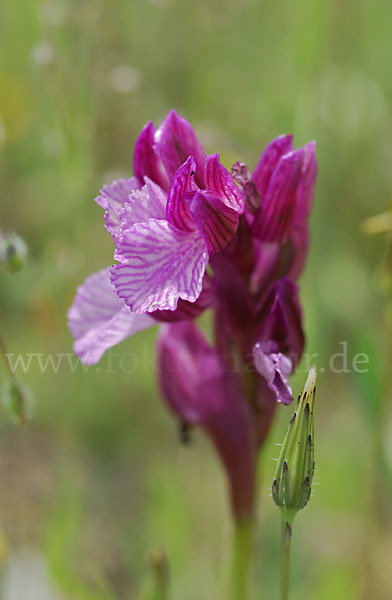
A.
x: 149, y: 202
x: 113, y: 197
x: 159, y: 265
x: 98, y: 319
x: 188, y: 310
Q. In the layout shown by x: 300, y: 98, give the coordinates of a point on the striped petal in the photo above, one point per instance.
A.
x: 177, y: 212
x: 268, y: 161
x: 146, y: 162
x: 175, y: 140
x: 219, y: 179
x: 98, y: 319
x: 189, y: 310
x: 159, y: 265
x: 216, y: 222
x: 144, y: 204
x: 112, y: 198
x: 275, y: 220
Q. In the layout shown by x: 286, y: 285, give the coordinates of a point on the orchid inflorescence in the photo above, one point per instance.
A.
x: 189, y: 236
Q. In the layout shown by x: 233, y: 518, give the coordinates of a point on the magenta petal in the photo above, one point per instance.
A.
x: 112, y: 198
x: 274, y: 261
x: 175, y: 140
x: 219, y: 179
x: 267, y: 257
x: 298, y: 251
x: 159, y: 265
x: 181, y: 351
x: 276, y: 369
x: 276, y: 218
x: 200, y: 390
x: 146, y: 162
x: 183, y: 181
x: 280, y: 338
x: 216, y: 222
x: 268, y: 161
x: 235, y: 316
x: 306, y: 185
x: 98, y: 319
x: 147, y: 203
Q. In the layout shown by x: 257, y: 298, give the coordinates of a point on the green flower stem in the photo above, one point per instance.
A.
x: 285, y: 548
x: 242, y: 558
x: 161, y: 575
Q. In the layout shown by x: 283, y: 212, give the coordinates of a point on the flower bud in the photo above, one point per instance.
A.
x: 292, y: 484
x: 13, y: 251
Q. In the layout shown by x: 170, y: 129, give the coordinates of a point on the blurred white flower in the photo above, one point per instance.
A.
x: 124, y: 79
x: 42, y: 53
x: 26, y: 576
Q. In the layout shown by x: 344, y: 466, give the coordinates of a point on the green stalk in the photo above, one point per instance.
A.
x: 285, y: 548
x: 241, y: 562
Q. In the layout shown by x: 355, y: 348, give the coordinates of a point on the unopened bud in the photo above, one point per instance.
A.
x: 13, y: 251
x: 292, y: 484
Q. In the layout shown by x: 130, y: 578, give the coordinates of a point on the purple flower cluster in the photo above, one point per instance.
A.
x: 189, y: 235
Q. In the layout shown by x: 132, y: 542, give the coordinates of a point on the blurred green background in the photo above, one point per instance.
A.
x: 98, y: 479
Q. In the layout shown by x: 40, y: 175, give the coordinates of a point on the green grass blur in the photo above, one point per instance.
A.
x: 98, y: 479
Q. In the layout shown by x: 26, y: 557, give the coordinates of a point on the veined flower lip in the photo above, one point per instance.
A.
x: 163, y: 256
